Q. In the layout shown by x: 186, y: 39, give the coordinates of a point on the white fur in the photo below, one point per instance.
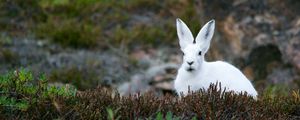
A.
x: 205, y: 73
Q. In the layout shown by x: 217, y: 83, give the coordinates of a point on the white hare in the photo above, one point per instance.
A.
x: 196, y: 73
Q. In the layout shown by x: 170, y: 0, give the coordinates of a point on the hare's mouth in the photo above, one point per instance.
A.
x: 190, y: 69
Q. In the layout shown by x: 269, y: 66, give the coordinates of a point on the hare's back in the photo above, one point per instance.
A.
x: 227, y: 73
x: 231, y: 77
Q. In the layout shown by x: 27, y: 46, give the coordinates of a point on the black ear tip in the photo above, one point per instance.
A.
x: 178, y: 19
x: 212, y: 21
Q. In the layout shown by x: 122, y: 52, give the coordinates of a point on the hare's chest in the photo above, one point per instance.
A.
x: 185, y: 86
x: 191, y: 83
x: 200, y: 82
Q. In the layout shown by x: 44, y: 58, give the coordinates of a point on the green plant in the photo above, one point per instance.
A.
x: 13, y: 103
x: 9, y: 56
x: 69, y: 33
x: 275, y: 91
x: 159, y: 116
x: 168, y: 116
x: 112, y: 114
x: 5, y: 39
x: 80, y: 78
x: 20, y: 91
x: 52, y: 3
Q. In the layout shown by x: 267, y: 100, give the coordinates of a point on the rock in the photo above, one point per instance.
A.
x: 159, y: 70
x: 46, y: 57
x: 282, y: 76
x: 166, y: 85
x: 262, y: 24
x: 248, y: 71
x: 156, y: 77
x: 233, y: 35
x: 137, y: 84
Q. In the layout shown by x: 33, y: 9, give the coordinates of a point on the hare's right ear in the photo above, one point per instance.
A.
x: 184, y: 34
x: 205, y: 35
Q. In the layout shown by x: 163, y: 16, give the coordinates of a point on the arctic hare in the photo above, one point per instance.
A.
x: 196, y: 73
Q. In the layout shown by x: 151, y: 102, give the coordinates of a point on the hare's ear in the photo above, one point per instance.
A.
x: 184, y: 34
x: 205, y: 35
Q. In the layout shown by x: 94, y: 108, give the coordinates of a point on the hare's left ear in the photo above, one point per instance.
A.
x: 205, y: 35
x: 184, y: 34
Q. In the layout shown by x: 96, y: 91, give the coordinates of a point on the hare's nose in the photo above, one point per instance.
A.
x: 190, y: 63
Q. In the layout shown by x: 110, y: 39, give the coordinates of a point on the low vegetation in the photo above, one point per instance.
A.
x: 24, y: 96
x: 80, y: 78
x: 101, y: 23
x: 121, y: 24
x: 21, y: 93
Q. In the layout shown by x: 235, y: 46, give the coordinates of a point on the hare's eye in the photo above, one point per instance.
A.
x: 199, y: 53
x: 183, y: 53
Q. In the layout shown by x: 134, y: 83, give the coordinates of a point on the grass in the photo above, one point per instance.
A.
x: 20, y: 92
x: 25, y: 97
x: 80, y: 78
x: 102, y: 23
x: 8, y: 56
x: 69, y: 33
x: 72, y: 26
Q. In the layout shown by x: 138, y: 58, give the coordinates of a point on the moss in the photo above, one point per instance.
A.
x: 143, y: 5
x: 81, y: 79
x: 69, y: 33
x: 8, y: 56
x: 149, y: 34
x: 276, y: 90
x: 67, y: 8
x: 191, y: 18
x: 5, y: 39
x: 143, y: 34
x: 25, y: 12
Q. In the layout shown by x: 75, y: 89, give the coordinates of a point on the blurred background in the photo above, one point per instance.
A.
x: 131, y: 45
